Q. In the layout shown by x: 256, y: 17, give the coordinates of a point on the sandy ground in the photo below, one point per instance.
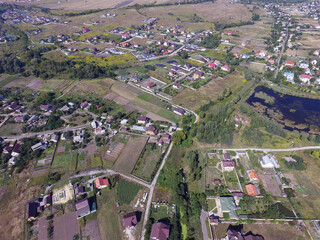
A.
x: 65, y: 191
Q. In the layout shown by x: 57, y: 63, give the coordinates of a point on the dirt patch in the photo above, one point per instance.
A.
x: 2, y: 190
x: 62, y: 195
x: 35, y: 84
x: 271, y: 185
x: 110, y: 96
x: 65, y: 226
x: 130, y: 154
x: 115, y: 150
x: 91, y: 231
x: 162, y: 195
x: 90, y: 150
x: 42, y: 228
x: 120, y: 100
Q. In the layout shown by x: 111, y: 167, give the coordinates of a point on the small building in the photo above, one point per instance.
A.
x: 198, y: 74
x: 130, y: 219
x: 16, y: 150
x: 225, y: 68
x: 38, y: 146
x: 142, y: 120
x: 226, y: 156
x: 305, y: 78
x: 12, y: 161
x: 20, y: 119
x: 176, y: 85
x: 48, y: 108
x: 102, y: 183
x: 79, y: 190
x: 160, y: 231
x: 228, y: 166
x: 253, y: 176
x: 251, y: 190
x: 179, y: 111
x: 54, y: 138
x: 151, y: 85
x: 84, y: 105
x: 289, y: 64
x: 33, y: 209
x: 138, y: 128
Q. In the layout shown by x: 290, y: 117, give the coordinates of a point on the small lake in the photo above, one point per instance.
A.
x: 296, y: 113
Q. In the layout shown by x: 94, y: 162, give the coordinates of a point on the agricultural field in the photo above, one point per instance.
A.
x: 65, y: 158
x: 130, y: 154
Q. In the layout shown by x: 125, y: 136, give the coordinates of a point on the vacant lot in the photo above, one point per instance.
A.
x: 270, y: 184
x: 147, y: 162
x: 127, y: 191
x: 212, y: 173
x: 65, y: 226
x: 193, y: 99
x: 130, y: 154
x: 11, y: 129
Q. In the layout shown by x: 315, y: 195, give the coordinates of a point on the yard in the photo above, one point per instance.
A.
x: 11, y: 129
x: 212, y: 173
x: 127, y: 191
x: 148, y: 161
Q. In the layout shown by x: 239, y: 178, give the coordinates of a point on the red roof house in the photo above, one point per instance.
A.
x: 102, y: 183
x: 151, y: 85
x: 289, y: 64
x: 225, y: 68
x: 130, y: 219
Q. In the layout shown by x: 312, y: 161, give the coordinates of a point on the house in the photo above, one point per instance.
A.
x: 216, y: 62
x: 79, y: 189
x: 217, y: 181
x: 151, y: 85
x: 198, y: 74
x: 213, y: 220
x: 20, y: 119
x: 124, y: 121
x: 102, y: 183
x: 225, y: 68
x: 94, y: 124
x: 130, y: 219
x: 142, y: 120
x: 269, y: 162
x: 226, y: 156
x: 84, y: 105
x: 188, y: 66
x: 48, y: 108
x: 289, y: 64
x: 12, y: 161
x: 151, y: 130
x: 160, y: 231
x: 78, y: 138
x: 228, y: 166
x: 85, y: 30
x: 212, y: 65
x: 236, y: 233
x: 314, y: 62
x: 14, y: 107
x: 305, y: 78
x: 253, y: 176
x: 83, y: 208
x: 289, y: 76
x: 54, y: 138
x: 33, y: 209
x: 251, y: 190
x: 6, y: 149
x: 16, y: 150
x: 38, y: 146
x: 179, y: 111
x: 176, y: 85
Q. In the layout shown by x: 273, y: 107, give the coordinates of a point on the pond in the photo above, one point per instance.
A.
x: 296, y: 113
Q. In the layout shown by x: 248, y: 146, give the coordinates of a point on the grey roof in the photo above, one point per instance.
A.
x: 228, y: 205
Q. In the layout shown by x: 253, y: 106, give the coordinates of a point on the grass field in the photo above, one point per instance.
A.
x: 7, y: 80
x: 11, y: 129
x: 130, y: 154
x: 211, y: 204
x: 147, y: 162
x: 127, y: 191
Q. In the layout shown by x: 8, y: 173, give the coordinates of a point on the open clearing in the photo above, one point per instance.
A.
x: 130, y: 154
x: 65, y: 226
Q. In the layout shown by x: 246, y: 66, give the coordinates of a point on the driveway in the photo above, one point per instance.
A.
x: 203, y: 217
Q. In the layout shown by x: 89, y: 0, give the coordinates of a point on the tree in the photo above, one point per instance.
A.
x: 178, y: 137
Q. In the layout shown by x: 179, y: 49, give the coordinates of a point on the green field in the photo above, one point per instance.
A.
x: 127, y: 191
x: 11, y: 129
x: 147, y: 162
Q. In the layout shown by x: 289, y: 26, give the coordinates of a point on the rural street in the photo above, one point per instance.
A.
x: 203, y: 218
x: 152, y: 186
x: 281, y: 53
x: 270, y: 150
x: 29, y: 135
x: 110, y: 172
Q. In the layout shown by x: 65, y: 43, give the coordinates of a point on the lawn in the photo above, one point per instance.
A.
x: 148, y: 161
x: 108, y: 218
x: 168, y: 115
x: 158, y: 213
x: 211, y: 204
x: 11, y: 129
x: 127, y: 191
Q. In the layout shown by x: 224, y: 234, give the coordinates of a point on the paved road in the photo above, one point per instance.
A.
x: 203, y: 217
x: 29, y: 135
x: 271, y: 150
x: 153, y: 184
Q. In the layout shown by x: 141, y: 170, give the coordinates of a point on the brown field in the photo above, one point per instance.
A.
x: 75, y: 5
x: 271, y: 185
x: 269, y: 231
x: 193, y: 99
x: 65, y: 226
x: 130, y: 154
